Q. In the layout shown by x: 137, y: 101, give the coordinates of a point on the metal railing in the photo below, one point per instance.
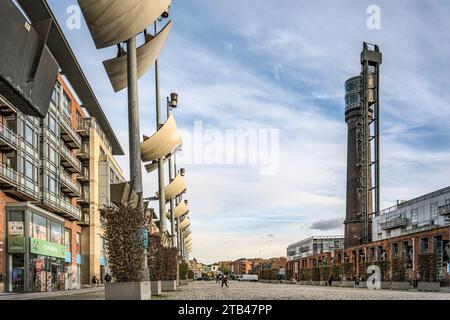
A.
x: 68, y: 182
x: 8, y: 135
x: 8, y: 174
x: 67, y: 126
x: 444, y: 210
x: 68, y: 208
x: 84, y: 151
x: 396, y: 223
x: 70, y: 157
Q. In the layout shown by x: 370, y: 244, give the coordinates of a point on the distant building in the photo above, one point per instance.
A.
x: 241, y: 266
x: 314, y: 246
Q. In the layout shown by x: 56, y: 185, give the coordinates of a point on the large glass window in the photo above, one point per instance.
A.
x: 68, y: 239
x: 66, y: 106
x: 52, y: 155
x: 424, y: 245
x: 29, y: 134
x: 52, y: 124
x: 52, y: 185
x: 56, y: 234
x: 434, y: 210
x: 78, y: 244
x: 39, y: 227
x: 414, y: 215
x: 29, y: 170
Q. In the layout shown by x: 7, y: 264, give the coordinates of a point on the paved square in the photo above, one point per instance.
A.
x: 210, y: 290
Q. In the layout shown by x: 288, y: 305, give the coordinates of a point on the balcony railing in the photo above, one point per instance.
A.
x: 69, y: 209
x: 70, y: 158
x: 83, y: 127
x: 444, y: 210
x: 69, y: 183
x: 83, y: 153
x: 8, y: 135
x: 85, y: 218
x: 71, y: 132
x: 8, y: 175
x: 84, y: 197
x: 396, y: 223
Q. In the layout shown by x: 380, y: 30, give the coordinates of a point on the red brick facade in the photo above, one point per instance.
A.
x: 360, y: 254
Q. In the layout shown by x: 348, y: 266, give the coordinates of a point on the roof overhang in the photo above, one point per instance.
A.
x: 39, y: 10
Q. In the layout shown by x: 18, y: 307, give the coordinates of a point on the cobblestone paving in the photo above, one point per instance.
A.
x: 260, y: 291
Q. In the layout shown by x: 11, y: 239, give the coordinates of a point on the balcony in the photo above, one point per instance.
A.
x: 394, y: 224
x: 444, y: 210
x: 84, y: 175
x: 84, y: 197
x: 83, y: 128
x: 69, y: 161
x: 8, y: 177
x: 69, y: 186
x: 55, y: 203
x: 83, y: 153
x: 69, y: 134
x: 85, y: 218
x: 8, y: 139
x: 6, y: 109
x: 70, y: 212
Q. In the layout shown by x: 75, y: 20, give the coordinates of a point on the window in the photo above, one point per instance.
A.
x: 66, y: 106
x: 424, y: 245
x: 434, y: 208
x: 52, y: 184
x: 78, y: 119
x: 68, y: 239
x: 56, y: 233
x: 78, y: 244
x: 414, y: 215
x: 52, y: 154
x: 39, y: 227
x: 29, y: 134
x: 52, y: 124
x: 447, y: 202
x: 395, y: 250
x: 29, y: 170
x: 388, y: 233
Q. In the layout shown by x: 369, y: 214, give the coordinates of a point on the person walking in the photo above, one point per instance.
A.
x: 94, y: 281
x: 225, y: 280
x: 108, y: 278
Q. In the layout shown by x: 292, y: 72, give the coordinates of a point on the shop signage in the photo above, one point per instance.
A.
x: 102, y: 261
x: 16, y: 244
x: 68, y: 257
x: 15, y: 229
x: 78, y: 259
x: 46, y: 248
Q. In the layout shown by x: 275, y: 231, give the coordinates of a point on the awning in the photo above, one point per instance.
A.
x: 188, y: 238
x: 115, y: 21
x: 175, y: 188
x: 147, y: 54
x: 187, y: 232
x: 179, y: 211
x: 162, y: 143
x: 186, y: 223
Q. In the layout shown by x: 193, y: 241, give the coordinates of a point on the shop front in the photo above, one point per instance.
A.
x: 35, y: 257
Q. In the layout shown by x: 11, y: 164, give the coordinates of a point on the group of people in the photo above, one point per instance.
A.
x: 223, y: 278
x: 95, y: 281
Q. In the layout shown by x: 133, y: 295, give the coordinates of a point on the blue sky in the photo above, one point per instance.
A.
x: 282, y: 65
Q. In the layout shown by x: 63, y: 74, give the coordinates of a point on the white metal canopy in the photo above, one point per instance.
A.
x: 186, y: 223
x: 175, y: 188
x: 179, y: 211
x: 162, y: 143
x: 147, y: 54
x: 115, y: 21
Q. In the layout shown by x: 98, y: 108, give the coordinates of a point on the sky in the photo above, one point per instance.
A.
x: 279, y: 67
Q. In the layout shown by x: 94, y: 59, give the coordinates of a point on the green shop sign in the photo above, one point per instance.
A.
x: 16, y: 245
x: 46, y: 248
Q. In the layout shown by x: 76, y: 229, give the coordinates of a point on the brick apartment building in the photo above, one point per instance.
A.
x: 56, y: 166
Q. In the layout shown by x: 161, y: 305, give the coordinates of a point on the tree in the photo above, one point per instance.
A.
x: 428, y: 267
x: 125, y: 242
